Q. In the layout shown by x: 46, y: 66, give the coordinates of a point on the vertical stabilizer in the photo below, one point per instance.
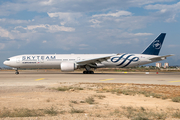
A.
x: 155, y: 46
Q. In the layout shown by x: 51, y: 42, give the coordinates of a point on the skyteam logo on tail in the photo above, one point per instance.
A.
x: 157, y: 44
x: 124, y: 60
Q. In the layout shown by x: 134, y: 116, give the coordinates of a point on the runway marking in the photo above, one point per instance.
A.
x: 107, y: 79
x: 39, y: 79
x: 174, y: 81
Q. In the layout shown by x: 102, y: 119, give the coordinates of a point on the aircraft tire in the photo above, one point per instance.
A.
x: 16, y: 73
x: 88, y: 72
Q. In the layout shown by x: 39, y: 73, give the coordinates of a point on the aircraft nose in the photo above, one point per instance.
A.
x: 4, y: 62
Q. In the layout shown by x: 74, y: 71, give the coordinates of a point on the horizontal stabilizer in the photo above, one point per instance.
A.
x: 161, y: 57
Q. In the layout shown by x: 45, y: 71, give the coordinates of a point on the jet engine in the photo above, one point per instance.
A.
x: 68, y: 66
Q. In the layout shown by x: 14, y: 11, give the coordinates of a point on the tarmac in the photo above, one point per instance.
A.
x: 50, y: 77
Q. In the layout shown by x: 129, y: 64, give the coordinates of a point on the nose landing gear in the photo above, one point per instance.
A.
x: 17, y: 72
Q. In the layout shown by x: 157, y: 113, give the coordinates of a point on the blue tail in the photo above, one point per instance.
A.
x: 155, y: 46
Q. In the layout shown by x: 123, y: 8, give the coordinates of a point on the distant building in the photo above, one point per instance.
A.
x: 166, y: 65
x: 158, y: 65
x: 147, y: 67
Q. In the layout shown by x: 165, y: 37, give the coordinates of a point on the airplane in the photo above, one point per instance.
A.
x: 71, y: 62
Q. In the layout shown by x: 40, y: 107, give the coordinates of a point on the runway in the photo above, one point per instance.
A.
x: 45, y: 77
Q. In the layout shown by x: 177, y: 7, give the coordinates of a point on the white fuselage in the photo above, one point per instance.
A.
x: 55, y: 60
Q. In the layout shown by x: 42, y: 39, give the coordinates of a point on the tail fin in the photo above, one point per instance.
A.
x: 155, y: 46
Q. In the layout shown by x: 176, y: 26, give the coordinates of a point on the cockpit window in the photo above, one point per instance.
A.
x: 7, y: 59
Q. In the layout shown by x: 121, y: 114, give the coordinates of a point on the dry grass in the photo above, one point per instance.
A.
x: 176, y: 99
x: 51, y: 111
x: 154, y: 91
x: 90, y: 100
x: 85, y: 101
x: 73, y: 101
x: 142, y: 113
x: 25, y: 112
x: 22, y: 112
x: 100, y: 96
x: 67, y: 88
x: 176, y: 114
x: 73, y: 110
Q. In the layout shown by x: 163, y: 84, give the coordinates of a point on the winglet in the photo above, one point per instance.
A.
x: 155, y: 47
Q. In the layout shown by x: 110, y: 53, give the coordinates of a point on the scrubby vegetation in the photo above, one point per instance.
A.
x: 90, y: 100
x: 25, y: 112
x: 65, y: 88
x: 176, y: 99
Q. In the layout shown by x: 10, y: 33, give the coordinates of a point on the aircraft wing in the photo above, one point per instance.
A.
x: 161, y: 57
x: 94, y: 60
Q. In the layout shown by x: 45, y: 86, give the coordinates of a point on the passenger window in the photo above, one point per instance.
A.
x: 71, y: 59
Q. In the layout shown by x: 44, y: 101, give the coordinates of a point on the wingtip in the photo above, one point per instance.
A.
x: 172, y: 54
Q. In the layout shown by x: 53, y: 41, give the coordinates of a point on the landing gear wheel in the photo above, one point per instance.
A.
x: 16, y: 72
x: 88, y: 72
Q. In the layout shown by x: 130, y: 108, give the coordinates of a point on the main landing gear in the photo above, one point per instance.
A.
x: 88, y: 70
x: 17, y: 72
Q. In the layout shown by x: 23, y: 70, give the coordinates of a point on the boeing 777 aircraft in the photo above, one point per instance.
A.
x: 70, y: 62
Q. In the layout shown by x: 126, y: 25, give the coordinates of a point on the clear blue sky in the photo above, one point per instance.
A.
x: 88, y: 26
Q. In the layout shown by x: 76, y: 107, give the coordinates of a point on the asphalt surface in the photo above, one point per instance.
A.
x: 45, y: 77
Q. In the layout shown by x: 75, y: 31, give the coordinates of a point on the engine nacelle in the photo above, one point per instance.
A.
x: 68, y: 66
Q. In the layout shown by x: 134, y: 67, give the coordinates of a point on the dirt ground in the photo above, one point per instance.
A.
x: 107, y: 101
